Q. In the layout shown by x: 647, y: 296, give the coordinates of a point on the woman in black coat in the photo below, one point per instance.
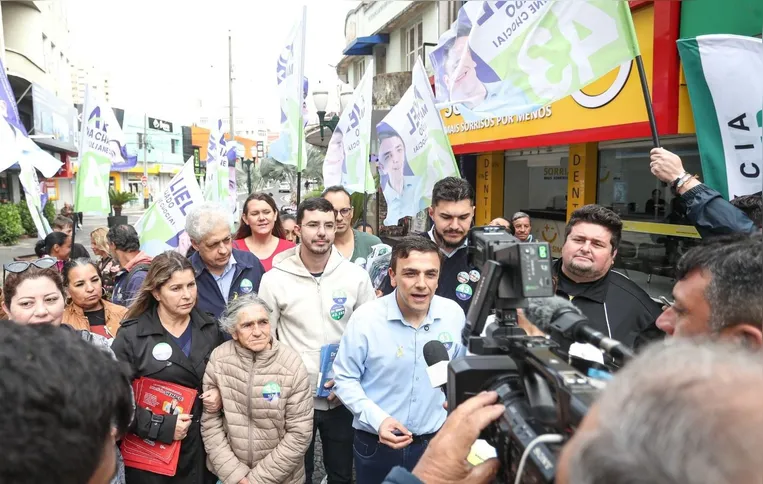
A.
x: 166, y: 338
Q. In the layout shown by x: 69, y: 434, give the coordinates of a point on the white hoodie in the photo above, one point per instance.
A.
x: 310, y: 312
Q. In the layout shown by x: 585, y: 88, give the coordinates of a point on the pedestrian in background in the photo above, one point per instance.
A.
x: 261, y: 231
x: 106, y: 264
x: 87, y: 307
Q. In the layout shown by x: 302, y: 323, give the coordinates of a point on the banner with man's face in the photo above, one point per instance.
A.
x: 414, y: 151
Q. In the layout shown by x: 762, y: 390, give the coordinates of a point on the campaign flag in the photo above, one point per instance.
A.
x: 231, y: 157
x: 14, y: 141
x: 414, y: 151
x: 102, y: 143
x: 33, y: 196
x: 162, y: 226
x: 290, y: 148
x: 216, y: 183
x: 723, y: 74
x: 8, y: 108
x: 514, y: 57
x: 348, y: 154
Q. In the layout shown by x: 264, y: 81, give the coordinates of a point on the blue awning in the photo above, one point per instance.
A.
x: 365, y: 45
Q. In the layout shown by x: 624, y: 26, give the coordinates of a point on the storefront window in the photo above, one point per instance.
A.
x: 656, y: 233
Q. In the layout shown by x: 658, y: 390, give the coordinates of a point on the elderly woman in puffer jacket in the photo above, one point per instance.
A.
x: 266, y: 425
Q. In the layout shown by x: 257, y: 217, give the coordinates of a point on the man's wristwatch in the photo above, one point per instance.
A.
x: 678, y: 182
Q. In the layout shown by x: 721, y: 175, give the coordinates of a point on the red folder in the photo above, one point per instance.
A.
x: 160, y: 398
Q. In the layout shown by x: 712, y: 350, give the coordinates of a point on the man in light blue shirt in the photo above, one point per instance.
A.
x: 380, y: 372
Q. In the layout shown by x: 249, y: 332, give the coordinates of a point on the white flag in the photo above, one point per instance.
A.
x: 102, y: 143
x: 216, y: 188
x: 414, y: 151
x: 347, y: 160
x: 162, y: 226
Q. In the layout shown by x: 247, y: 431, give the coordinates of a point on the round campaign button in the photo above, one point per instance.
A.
x: 162, y: 351
x: 337, y: 312
x: 446, y: 339
x: 339, y: 296
x: 462, y: 277
x: 271, y: 391
x: 246, y: 286
x: 464, y: 292
x: 474, y: 275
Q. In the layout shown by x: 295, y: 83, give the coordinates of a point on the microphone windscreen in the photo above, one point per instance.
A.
x: 435, y: 352
x: 541, y: 311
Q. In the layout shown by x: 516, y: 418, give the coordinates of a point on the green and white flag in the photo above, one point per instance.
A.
x: 347, y: 161
x: 507, y: 58
x: 162, y: 226
x: 414, y: 151
x: 216, y: 185
x: 724, y: 74
x: 290, y: 148
x: 102, y: 143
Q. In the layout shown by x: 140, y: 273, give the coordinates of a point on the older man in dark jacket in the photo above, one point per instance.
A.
x: 222, y: 272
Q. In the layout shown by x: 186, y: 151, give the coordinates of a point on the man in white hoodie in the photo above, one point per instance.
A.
x: 313, y: 291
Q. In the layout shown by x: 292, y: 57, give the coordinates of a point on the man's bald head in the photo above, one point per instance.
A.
x: 682, y: 413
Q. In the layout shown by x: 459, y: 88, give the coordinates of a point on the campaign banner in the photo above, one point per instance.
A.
x: 162, y: 226
x: 726, y: 104
x: 290, y: 148
x: 414, y: 151
x: 102, y: 143
x: 514, y: 57
x: 216, y: 188
x: 33, y: 196
x: 14, y: 141
x: 347, y: 161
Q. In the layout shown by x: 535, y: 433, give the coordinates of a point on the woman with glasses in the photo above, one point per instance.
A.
x: 166, y: 338
x: 57, y: 245
x: 88, y: 307
x: 261, y: 232
x: 33, y: 293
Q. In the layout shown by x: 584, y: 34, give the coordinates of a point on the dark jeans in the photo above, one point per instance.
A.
x: 374, y: 460
x: 335, y: 427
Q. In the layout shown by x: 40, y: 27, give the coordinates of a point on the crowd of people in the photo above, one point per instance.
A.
x: 245, y: 320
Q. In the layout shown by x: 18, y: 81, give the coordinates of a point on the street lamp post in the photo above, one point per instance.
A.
x: 248, y: 167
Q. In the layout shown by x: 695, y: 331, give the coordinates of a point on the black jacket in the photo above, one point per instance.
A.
x: 711, y: 214
x: 614, y: 304
x: 458, y: 279
x: 134, y: 344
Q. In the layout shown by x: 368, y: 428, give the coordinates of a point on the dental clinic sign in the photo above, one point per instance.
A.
x: 160, y: 125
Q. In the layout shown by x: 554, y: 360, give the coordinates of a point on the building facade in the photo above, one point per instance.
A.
x: 35, y: 40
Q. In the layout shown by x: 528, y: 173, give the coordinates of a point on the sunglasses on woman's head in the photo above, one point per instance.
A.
x: 17, y: 267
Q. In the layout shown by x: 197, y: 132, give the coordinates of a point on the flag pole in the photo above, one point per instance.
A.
x: 647, y: 101
x: 301, y: 87
x: 365, y: 193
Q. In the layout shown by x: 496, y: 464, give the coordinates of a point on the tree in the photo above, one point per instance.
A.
x: 273, y: 171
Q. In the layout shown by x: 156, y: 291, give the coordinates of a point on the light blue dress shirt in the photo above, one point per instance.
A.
x: 379, y: 370
x: 225, y: 279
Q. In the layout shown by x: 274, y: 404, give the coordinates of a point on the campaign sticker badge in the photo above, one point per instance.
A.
x: 462, y: 277
x: 474, y: 275
x: 162, y: 351
x: 337, y: 312
x: 271, y: 391
x: 446, y: 339
x: 339, y: 296
x: 246, y: 286
x: 361, y: 261
x: 464, y: 292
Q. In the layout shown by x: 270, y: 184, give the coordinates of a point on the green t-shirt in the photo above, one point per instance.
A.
x: 363, y: 243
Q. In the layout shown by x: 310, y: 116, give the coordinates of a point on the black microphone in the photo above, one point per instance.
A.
x: 437, y: 360
x: 562, y: 320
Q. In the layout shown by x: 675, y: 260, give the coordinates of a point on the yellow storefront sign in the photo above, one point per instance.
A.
x: 615, y: 99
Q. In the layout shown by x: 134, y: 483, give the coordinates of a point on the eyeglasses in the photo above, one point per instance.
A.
x: 344, y: 211
x: 17, y: 267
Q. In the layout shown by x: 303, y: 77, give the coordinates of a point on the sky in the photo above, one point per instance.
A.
x: 165, y: 56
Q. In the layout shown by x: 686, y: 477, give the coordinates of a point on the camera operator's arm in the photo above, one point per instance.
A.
x: 349, y: 366
x: 444, y: 461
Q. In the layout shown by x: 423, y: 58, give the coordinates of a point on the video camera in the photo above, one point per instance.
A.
x: 542, y: 393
